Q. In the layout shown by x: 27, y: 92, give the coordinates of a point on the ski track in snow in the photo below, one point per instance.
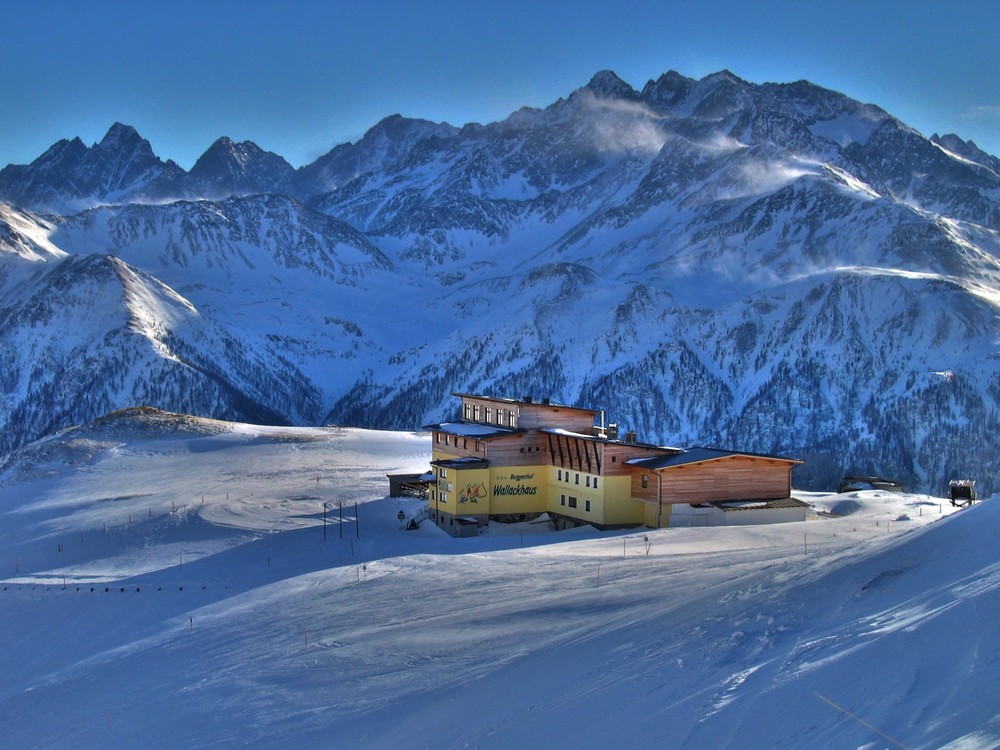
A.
x: 178, y: 591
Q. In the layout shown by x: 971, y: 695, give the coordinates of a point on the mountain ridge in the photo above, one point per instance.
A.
x: 771, y: 266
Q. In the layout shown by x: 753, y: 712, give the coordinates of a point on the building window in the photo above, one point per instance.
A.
x: 465, y: 443
x: 588, y: 481
x: 479, y: 447
x: 576, y: 479
x: 645, y: 481
x: 572, y: 501
x: 444, y: 497
x: 468, y: 411
x: 562, y: 499
x: 595, y: 483
x: 487, y: 413
x: 614, y: 459
x: 559, y: 474
x: 442, y: 473
x: 586, y: 505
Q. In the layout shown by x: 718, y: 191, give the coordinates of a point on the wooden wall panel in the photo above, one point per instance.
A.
x: 733, y: 478
x: 518, y: 450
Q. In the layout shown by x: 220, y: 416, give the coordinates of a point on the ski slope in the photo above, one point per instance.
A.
x: 170, y: 582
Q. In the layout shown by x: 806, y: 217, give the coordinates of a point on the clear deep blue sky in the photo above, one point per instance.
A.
x: 301, y: 77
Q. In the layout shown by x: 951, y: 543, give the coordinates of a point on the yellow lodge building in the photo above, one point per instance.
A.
x: 513, y: 460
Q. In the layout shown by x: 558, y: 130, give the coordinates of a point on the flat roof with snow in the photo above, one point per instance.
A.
x: 599, y: 439
x: 472, y: 429
x: 698, y: 455
x: 526, y: 401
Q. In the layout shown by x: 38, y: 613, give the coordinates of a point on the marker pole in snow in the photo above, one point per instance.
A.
x: 341, y: 506
x: 357, y: 520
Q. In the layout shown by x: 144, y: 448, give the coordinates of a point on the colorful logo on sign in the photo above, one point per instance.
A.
x: 472, y: 493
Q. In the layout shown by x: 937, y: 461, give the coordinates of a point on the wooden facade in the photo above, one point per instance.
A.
x: 728, y: 477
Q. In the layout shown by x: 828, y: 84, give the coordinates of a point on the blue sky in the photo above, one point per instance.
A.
x: 298, y: 78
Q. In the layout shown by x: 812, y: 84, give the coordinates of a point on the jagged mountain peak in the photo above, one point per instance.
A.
x: 732, y: 203
x: 71, y: 150
x: 119, y: 136
x: 226, y: 147
x: 967, y: 150
x: 231, y: 168
x: 607, y: 83
x: 725, y: 75
x: 667, y: 90
x: 388, y: 142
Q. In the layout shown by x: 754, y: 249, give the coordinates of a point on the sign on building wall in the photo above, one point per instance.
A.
x: 516, y: 490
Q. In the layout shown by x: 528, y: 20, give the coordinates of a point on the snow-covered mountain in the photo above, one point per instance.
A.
x: 775, y: 267
x: 71, y: 176
x: 229, y: 168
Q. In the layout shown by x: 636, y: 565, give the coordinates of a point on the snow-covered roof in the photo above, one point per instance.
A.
x: 595, y: 438
x: 527, y: 401
x: 568, y: 433
x: 697, y: 455
x: 777, y: 504
x: 471, y: 429
x: 461, y: 463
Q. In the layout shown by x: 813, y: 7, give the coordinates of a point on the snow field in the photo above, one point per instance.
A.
x: 231, y: 621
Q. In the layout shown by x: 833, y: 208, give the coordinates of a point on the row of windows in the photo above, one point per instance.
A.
x: 572, y: 502
x: 442, y: 439
x: 478, y: 413
x: 568, y: 501
x: 565, y: 476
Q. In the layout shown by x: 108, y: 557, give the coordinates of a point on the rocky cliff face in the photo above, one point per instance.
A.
x: 770, y: 267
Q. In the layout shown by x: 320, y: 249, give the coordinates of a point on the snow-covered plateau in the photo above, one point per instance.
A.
x: 172, y: 581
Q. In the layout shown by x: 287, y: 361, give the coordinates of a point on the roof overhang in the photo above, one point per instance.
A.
x: 526, y: 402
x: 782, y: 503
x: 703, y: 455
x: 473, y: 430
x: 462, y: 463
